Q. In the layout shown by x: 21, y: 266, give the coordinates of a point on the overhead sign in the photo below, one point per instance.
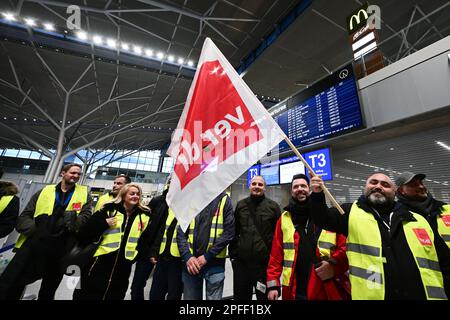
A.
x: 328, y: 108
x: 357, y: 19
x: 252, y: 172
x: 320, y: 162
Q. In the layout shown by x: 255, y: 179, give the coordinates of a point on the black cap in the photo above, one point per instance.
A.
x: 407, y: 177
x: 300, y: 176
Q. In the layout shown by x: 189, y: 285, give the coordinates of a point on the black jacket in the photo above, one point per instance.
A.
x: 106, y: 276
x: 402, y: 276
x: 8, y: 217
x: 255, y: 222
x: 160, y: 211
x: 434, y: 212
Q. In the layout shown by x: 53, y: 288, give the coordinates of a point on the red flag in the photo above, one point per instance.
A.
x: 223, y: 130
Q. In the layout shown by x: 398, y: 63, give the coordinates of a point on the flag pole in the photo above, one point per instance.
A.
x: 325, y: 190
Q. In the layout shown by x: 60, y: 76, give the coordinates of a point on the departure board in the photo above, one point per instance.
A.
x: 328, y: 108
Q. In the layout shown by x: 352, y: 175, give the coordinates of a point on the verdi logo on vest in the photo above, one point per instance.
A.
x: 76, y: 206
x: 446, y: 220
x: 422, y: 236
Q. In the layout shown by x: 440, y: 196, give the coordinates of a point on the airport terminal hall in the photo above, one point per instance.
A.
x: 248, y: 151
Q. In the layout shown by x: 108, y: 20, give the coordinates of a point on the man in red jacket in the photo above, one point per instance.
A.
x: 312, y: 262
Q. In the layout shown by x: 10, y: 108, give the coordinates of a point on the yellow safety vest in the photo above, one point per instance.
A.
x: 173, y: 243
x: 215, y: 232
x: 364, y: 252
x: 46, y: 203
x: 102, y: 200
x: 443, y: 223
x: 4, y: 202
x: 112, y: 237
x: 326, y: 243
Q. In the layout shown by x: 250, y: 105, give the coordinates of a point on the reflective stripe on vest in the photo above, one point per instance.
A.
x: 288, y: 229
x: 366, y: 262
x: 102, y: 200
x: 135, y: 233
x: 326, y: 243
x: 443, y: 223
x: 173, y: 243
x: 425, y: 255
x: 46, y: 203
x: 215, y: 231
x: 4, y: 201
x: 112, y: 237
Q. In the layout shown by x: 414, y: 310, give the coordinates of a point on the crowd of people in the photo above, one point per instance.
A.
x: 379, y: 249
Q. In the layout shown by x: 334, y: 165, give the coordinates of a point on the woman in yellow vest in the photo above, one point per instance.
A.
x: 121, y: 226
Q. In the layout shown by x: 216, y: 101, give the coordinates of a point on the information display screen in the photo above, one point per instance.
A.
x: 270, y: 173
x: 328, y: 108
x: 288, y: 170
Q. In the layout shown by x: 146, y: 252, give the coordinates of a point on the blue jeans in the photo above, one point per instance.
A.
x: 193, y: 284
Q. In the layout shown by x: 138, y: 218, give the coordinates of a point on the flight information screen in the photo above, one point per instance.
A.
x: 328, y: 108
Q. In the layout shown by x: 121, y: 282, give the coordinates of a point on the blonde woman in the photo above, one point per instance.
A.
x: 122, y: 225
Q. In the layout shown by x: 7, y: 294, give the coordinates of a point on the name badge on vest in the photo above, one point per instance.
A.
x: 141, y: 226
x: 446, y: 220
x: 423, y: 236
x: 76, y: 206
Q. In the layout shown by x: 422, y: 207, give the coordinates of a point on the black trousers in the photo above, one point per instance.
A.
x: 244, y: 280
x: 141, y: 274
x: 167, y: 280
x: 26, y: 267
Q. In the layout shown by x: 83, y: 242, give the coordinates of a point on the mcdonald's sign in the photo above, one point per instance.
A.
x: 357, y: 19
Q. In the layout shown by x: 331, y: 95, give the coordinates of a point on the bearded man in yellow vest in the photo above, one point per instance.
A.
x: 412, y: 193
x: 392, y: 252
x: 310, y: 262
x: 47, y: 226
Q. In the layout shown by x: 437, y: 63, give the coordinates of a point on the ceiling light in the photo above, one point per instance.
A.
x: 49, y: 26
x: 443, y: 145
x: 4, y: 118
x: 82, y: 35
x: 137, y: 50
x: 9, y: 16
x: 29, y: 22
x: 171, y: 58
x: 111, y: 43
x: 149, y: 52
x: 97, y: 40
x: 180, y: 60
x: 160, y: 55
x: 125, y: 46
x: 190, y: 63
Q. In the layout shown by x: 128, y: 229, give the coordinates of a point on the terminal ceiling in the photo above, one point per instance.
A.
x: 144, y: 103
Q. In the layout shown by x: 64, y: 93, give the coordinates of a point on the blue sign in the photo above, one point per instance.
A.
x: 253, y: 171
x: 320, y: 162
